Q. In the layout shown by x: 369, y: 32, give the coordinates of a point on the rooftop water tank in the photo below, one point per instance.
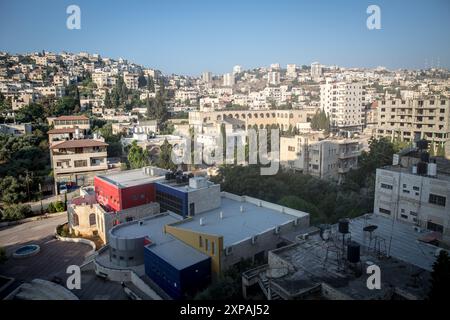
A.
x: 353, y: 252
x: 343, y: 226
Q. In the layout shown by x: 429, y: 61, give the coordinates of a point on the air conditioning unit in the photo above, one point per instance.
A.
x: 254, y: 239
x: 228, y: 250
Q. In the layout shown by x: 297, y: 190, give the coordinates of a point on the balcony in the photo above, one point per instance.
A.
x: 346, y: 155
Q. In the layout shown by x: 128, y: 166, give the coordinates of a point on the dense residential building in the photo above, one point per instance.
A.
x: 344, y: 103
x: 207, y: 77
x: 291, y: 71
x: 273, y: 78
x: 414, y: 119
x: 316, y: 70
x: 78, y: 161
x: 15, y: 129
x: 228, y: 80
x: 415, y: 190
x: 324, y: 158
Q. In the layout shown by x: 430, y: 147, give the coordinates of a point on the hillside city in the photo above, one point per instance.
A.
x: 88, y: 178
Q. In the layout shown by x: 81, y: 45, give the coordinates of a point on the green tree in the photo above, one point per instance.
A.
x: 150, y: 84
x: 320, y: 121
x: 16, y: 212
x: 12, y: 191
x: 165, y: 157
x: 440, y: 277
x: 137, y: 157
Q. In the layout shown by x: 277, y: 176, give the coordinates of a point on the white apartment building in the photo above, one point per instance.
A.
x: 207, y: 77
x: 326, y: 159
x: 316, y: 71
x: 273, y: 78
x: 414, y: 193
x: 228, y: 79
x: 131, y: 80
x: 103, y: 79
x: 237, y: 69
x: 291, y: 71
x: 344, y: 103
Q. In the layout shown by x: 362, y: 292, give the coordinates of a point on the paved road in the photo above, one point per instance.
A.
x: 14, y: 236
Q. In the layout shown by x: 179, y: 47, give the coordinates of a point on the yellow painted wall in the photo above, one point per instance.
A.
x: 192, y: 239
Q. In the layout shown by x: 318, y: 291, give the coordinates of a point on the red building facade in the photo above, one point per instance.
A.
x: 115, y: 197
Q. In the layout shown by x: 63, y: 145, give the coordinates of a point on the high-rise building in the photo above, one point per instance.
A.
x: 344, y: 103
x: 273, y: 78
x: 237, y: 69
x: 275, y: 66
x: 291, y: 71
x: 316, y: 70
x: 414, y: 119
x: 228, y: 79
x: 207, y: 77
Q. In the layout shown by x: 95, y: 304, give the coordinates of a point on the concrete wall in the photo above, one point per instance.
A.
x: 265, y: 242
x: 205, y: 199
x: 410, y: 205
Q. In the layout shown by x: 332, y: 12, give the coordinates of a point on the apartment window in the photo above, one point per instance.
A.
x: 213, y: 249
x: 414, y: 214
x: 402, y: 210
x: 405, y: 191
x: 404, y: 216
x: 437, y: 200
x: 206, y: 245
x: 80, y: 163
x: 385, y: 211
x: 290, y: 148
x: 200, y: 241
x: 404, y: 185
x: 442, y: 102
x: 386, y: 186
x: 416, y: 188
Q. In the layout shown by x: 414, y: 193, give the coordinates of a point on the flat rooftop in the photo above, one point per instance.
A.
x: 315, y: 262
x: 237, y: 226
x: 404, y: 244
x: 164, y: 245
x: 441, y: 175
x: 178, y: 254
x: 152, y: 227
x: 129, y: 178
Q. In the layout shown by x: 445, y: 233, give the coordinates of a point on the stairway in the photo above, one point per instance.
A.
x: 264, y: 284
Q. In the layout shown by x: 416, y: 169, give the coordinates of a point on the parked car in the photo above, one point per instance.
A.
x: 62, y: 189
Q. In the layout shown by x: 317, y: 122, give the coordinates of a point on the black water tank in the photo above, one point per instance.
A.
x: 179, y: 179
x: 343, y: 226
x: 425, y: 157
x: 185, y: 178
x: 422, y: 168
x: 353, y: 252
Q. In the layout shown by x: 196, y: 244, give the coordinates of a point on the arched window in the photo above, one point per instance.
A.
x: 92, y: 219
x: 75, y: 220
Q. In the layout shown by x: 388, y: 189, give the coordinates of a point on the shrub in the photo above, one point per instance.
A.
x: 16, y: 212
x: 59, y: 206
x: 51, y: 208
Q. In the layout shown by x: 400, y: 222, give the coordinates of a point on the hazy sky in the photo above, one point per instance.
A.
x: 191, y: 36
